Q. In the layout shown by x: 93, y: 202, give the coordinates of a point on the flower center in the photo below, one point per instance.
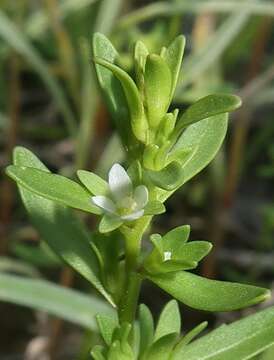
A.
x: 127, y: 205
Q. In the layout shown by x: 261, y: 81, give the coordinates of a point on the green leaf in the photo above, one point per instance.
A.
x: 268, y: 354
x: 94, y: 183
x: 206, y: 107
x: 241, y: 340
x: 140, y: 56
x: 56, y: 300
x: 168, y: 178
x: 162, y: 347
x: 193, y: 251
x: 209, y: 295
x: 146, y: 328
x: 154, y: 208
x: 135, y: 172
x: 16, y: 39
x: 205, y: 139
x: 158, y: 81
x: 111, y: 86
x: 186, y: 339
x: 109, y: 223
x: 182, y: 256
x: 107, y: 325
x: 169, y: 321
x: 72, y: 244
x: 138, y: 121
x: 178, y: 235
x: 52, y: 186
x: 173, y: 57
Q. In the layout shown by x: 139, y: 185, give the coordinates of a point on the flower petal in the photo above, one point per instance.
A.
x: 104, y: 203
x: 141, y: 196
x: 119, y: 182
x: 133, y: 216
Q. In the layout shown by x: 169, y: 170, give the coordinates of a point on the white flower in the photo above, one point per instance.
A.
x: 123, y: 202
x: 167, y: 255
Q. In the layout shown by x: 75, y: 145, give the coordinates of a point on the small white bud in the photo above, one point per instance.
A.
x: 167, y: 255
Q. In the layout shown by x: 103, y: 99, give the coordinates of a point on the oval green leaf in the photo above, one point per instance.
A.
x: 54, y: 187
x: 209, y: 295
x: 206, y: 107
x: 169, y: 321
x: 204, y: 139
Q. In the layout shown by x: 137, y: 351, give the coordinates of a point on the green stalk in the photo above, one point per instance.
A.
x: 133, y: 237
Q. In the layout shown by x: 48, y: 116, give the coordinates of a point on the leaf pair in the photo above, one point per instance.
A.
x: 172, y: 255
x: 172, y: 252
x: 163, y: 342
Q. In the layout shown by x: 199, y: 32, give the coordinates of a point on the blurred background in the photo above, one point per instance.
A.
x: 50, y: 103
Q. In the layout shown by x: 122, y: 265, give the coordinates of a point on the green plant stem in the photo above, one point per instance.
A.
x: 132, y: 285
